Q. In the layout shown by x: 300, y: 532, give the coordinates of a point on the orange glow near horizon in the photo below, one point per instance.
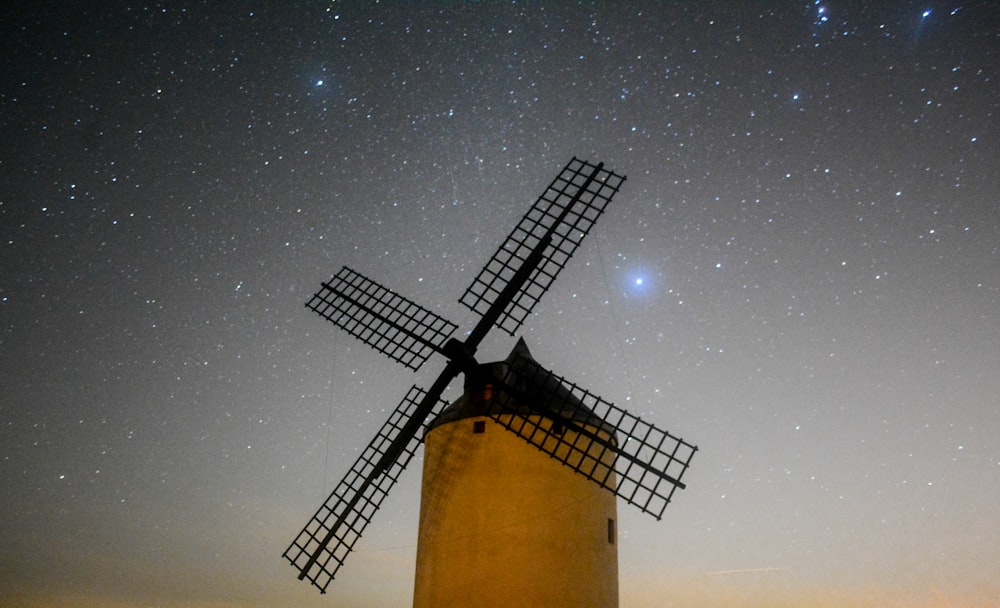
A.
x: 683, y: 594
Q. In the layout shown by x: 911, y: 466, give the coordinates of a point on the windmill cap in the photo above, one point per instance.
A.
x: 524, y: 383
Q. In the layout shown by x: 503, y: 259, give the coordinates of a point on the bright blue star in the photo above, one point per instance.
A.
x: 319, y: 82
x: 925, y: 14
x: 638, y: 282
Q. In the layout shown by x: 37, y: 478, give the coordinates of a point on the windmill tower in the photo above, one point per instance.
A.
x: 522, y: 472
x: 502, y: 523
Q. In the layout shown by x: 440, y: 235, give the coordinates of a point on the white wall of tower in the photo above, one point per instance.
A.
x: 504, y: 524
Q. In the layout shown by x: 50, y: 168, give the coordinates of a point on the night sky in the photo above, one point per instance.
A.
x: 801, y: 275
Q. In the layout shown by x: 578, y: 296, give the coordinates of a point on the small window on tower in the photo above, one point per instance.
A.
x: 557, y: 429
x: 611, y: 531
x: 478, y: 426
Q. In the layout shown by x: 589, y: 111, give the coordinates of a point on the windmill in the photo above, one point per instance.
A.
x: 595, y: 446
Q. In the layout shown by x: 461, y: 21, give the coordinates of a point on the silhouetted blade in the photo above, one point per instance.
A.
x: 565, y: 213
x: 322, y: 546
x: 381, y: 318
x: 604, y: 443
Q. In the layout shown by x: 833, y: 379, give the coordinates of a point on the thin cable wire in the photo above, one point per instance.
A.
x: 329, y: 414
x: 614, y: 319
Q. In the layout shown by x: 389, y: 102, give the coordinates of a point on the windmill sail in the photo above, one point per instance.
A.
x: 381, y: 318
x: 322, y: 546
x: 563, y: 214
x: 617, y: 450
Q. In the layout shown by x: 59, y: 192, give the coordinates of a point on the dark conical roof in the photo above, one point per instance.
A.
x: 522, y: 381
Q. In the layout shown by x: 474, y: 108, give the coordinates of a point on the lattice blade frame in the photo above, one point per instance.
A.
x: 335, y: 545
x: 381, y: 318
x: 619, y: 451
x: 566, y: 211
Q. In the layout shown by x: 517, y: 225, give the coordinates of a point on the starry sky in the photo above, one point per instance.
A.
x: 801, y: 275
